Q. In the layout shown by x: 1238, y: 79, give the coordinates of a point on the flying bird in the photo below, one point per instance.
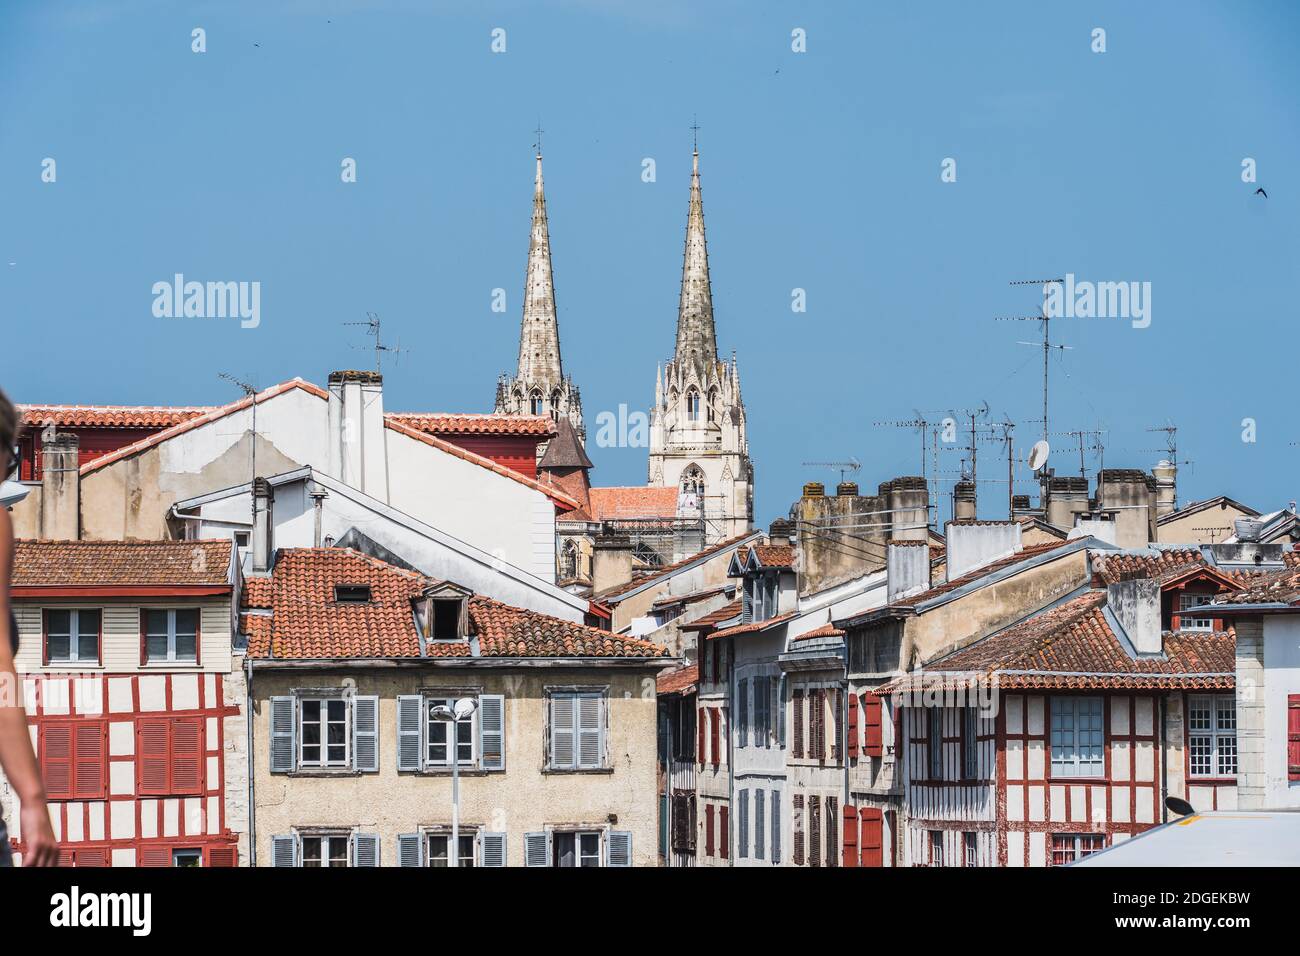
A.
x: 1260, y: 192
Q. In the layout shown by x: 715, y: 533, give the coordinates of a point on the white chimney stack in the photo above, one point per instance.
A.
x: 358, y: 444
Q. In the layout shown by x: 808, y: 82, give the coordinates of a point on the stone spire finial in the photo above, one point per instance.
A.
x: 696, y: 341
x: 539, y: 334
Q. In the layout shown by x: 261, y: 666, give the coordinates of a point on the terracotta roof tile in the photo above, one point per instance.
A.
x: 110, y: 416
x: 307, y: 623
x: 1111, y: 568
x: 633, y: 502
x: 106, y: 563
x: 1072, y: 645
x: 1274, y: 587
x: 754, y: 627
x: 257, y: 593
x: 826, y: 630
x: 449, y: 423
x: 774, y: 555
x: 713, y: 618
x: 682, y: 680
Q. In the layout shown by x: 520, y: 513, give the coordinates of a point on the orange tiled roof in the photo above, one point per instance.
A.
x: 774, y: 555
x: 713, y: 618
x: 826, y: 630
x: 110, y: 416
x: 447, y: 423
x: 754, y: 626
x: 121, y: 563
x: 1073, y: 646
x: 1273, y: 587
x: 1167, y: 563
x: 683, y: 680
x: 307, y: 623
x: 257, y: 593
x: 633, y: 502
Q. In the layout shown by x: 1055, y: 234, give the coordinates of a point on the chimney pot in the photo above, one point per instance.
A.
x: 814, y: 489
x: 847, y: 489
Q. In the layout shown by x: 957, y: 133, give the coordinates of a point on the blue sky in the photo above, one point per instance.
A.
x: 821, y: 171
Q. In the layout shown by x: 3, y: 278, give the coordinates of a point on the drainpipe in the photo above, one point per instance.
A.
x: 248, y: 731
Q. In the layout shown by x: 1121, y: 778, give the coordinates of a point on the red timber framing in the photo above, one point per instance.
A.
x: 176, y: 803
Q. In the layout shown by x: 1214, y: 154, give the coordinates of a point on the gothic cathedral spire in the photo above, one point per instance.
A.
x: 539, y: 386
x: 697, y: 346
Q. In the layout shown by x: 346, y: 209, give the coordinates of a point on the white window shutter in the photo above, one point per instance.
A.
x: 365, y: 734
x: 591, y: 744
x: 410, y: 718
x: 537, y: 849
x: 492, y: 849
x: 563, y: 731
x: 365, y: 849
x: 618, y: 850
x: 410, y: 849
x: 492, y: 731
x: 284, y: 850
x: 283, y: 720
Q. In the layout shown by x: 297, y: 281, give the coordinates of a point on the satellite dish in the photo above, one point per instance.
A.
x: 465, y: 708
x: 1179, y: 806
x: 1038, y: 454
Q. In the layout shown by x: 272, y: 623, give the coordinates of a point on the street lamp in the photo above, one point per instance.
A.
x: 463, y: 710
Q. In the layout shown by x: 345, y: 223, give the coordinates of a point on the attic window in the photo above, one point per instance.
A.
x: 352, y: 593
x: 448, y: 619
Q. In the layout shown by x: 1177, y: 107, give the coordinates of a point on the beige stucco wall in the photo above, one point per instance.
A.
x: 1197, y: 528
x: 524, y: 798
x: 26, y: 514
x: 711, y: 574
x: 966, y: 619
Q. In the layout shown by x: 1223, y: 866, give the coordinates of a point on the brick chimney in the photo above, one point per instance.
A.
x: 60, y: 518
x: 358, y: 452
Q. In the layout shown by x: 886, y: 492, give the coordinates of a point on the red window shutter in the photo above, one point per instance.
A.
x: 871, y: 714
x: 797, y: 749
x: 155, y: 856
x: 724, y: 832
x: 187, y: 763
x: 151, y: 757
x: 715, y: 729
x: 815, y: 831
x: 818, y: 725
x: 702, y: 725
x: 872, y: 837
x: 56, y: 759
x: 91, y: 763
x: 92, y: 856
x: 66, y: 857
x: 1293, y: 737
x: 223, y: 856
x: 853, y: 730
x: 708, y: 829
x: 797, y: 801
x: 850, y: 836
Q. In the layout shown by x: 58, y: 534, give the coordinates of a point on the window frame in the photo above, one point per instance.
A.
x: 470, y: 833
x: 324, y: 764
x: 1194, y: 599
x: 472, y: 723
x: 171, y: 659
x: 1076, y: 768
x: 1076, y: 848
x: 74, y: 648
x: 935, y: 857
x: 1215, y: 733
x: 970, y: 848
x: 322, y: 836
x: 578, y: 693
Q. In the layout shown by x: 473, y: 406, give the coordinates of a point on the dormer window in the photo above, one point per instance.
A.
x: 761, y: 593
x: 352, y: 593
x: 448, y: 614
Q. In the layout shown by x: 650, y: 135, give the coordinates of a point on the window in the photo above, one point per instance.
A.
x: 438, y: 736
x: 1212, y: 736
x: 72, y: 636
x: 969, y: 742
x: 1068, y: 847
x: 171, y: 635
x: 936, y: 848
x: 1186, y: 623
x: 575, y: 849
x: 692, y: 405
x: 691, y: 494
x: 762, y: 593
x: 934, y: 742
x: 352, y: 593
x: 170, y: 755
x: 578, y: 730
x: 323, y: 851
x: 1077, y: 739
x: 439, y: 844
x: 568, y: 560
x: 535, y: 403
x: 448, y: 619
x: 970, y: 843
x: 189, y: 858
x: 241, y: 540
x: 323, y: 733
x: 683, y: 821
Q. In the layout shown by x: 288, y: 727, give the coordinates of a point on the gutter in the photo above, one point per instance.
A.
x: 383, y: 663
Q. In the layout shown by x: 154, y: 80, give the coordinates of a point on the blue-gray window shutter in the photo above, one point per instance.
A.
x: 410, y: 849
x: 410, y: 718
x: 284, y: 850
x: 492, y: 731
x: 537, y: 849
x: 742, y: 825
x: 365, y: 734
x: 776, y: 826
x: 619, y: 848
x: 365, y: 849
x: 564, y: 731
x: 283, y: 720
x: 759, y: 833
x: 742, y: 723
x: 492, y: 849
x: 780, y: 710
x: 591, y: 731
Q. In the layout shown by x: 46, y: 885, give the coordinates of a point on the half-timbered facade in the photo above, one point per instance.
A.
x: 678, y: 819
x: 133, y: 696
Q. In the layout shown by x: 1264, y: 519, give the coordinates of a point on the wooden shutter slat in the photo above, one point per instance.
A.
x: 56, y: 758
x: 873, y: 744
x: 90, y: 765
x: 871, y: 836
x: 853, y: 730
x: 850, y: 836
x: 187, y: 763
x: 1293, y: 737
x: 151, y: 763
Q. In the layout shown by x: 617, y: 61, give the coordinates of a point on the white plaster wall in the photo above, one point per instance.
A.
x: 1281, y: 678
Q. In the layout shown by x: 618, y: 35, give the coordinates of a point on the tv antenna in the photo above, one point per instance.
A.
x: 372, y: 324
x: 843, y: 467
x: 1080, y: 437
x: 249, y: 390
x: 1046, y: 345
x: 921, y: 424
